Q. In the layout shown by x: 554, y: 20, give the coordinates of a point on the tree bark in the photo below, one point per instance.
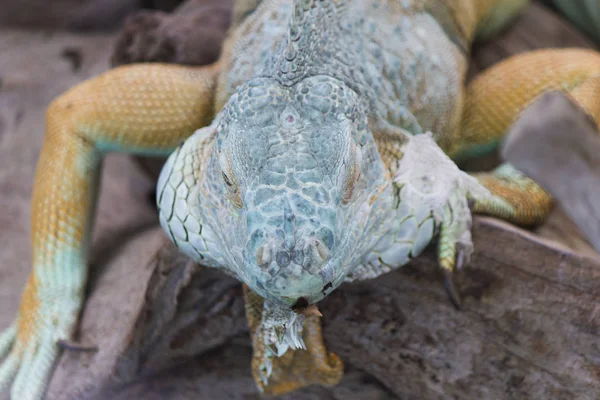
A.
x: 529, y: 328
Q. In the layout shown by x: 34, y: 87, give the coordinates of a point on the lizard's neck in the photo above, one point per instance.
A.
x: 316, y: 43
x: 321, y: 36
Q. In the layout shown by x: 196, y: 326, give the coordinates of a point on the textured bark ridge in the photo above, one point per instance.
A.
x: 529, y: 327
x: 191, y: 35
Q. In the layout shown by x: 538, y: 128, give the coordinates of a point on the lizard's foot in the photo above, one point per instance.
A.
x: 516, y: 198
x: 286, y: 367
x: 432, y: 183
x: 30, y: 346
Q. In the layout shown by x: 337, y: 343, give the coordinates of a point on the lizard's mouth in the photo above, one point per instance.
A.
x: 293, y: 287
x: 293, y: 272
x: 296, y: 292
x: 302, y: 307
x: 300, y: 304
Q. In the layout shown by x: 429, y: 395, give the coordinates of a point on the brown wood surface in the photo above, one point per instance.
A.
x: 529, y: 329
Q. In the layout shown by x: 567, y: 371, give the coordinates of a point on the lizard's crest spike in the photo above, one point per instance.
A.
x: 309, y: 19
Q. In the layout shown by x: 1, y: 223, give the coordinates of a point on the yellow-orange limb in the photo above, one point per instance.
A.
x: 142, y: 109
x: 296, y: 368
x: 496, y: 98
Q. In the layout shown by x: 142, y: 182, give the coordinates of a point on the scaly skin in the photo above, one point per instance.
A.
x: 309, y: 174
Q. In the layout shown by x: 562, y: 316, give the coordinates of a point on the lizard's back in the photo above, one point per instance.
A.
x: 404, y: 58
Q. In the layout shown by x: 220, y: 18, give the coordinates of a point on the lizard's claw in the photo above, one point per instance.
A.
x: 453, y: 294
x: 451, y: 290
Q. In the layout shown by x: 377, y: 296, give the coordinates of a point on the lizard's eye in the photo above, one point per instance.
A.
x: 232, y: 190
x: 230, y: 184
x: 353, y: 173
x: 227, y: 180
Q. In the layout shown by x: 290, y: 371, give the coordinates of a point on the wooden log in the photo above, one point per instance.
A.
x: 529, y: 328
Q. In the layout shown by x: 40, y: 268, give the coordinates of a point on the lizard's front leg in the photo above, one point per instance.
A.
x: 143, y: 109
x: 494, y: 100
x: 433, y: 194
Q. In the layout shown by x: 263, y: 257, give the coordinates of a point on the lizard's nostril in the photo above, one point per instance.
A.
x: 322, y: 250
x: 317, y: 253
x: 283, y: 258
x: 263, y: 256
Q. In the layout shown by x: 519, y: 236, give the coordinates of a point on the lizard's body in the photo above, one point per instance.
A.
x: 376, y: 52
x: 309, y: 174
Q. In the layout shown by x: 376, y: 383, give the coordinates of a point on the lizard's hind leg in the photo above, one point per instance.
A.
x: 495, y: 100
x: 142, y: 109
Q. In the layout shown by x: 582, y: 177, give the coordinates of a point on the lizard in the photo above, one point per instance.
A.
x: 320, y: 148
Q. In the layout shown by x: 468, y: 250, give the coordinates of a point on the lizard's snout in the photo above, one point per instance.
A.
x: 309, y: 254
x: 288, y: 257
x: 291, y: 271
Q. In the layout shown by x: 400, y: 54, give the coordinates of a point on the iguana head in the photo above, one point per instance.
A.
x: 289, y: 189
x: 299, y: 167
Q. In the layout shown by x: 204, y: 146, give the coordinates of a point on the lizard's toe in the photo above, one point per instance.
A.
x: 31, y: 345
x: 8, y: 369
x: 28, y: 367
x: 37, y: 370
x: 7, y: 338
x: 22, y: 377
